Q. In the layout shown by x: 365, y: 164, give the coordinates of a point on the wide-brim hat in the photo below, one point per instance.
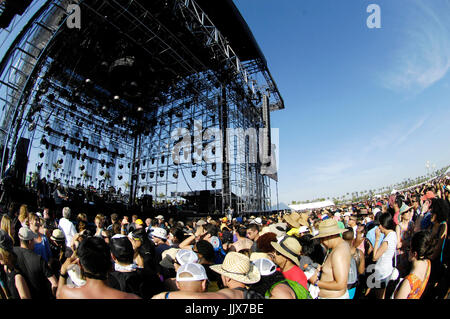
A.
x: 238, y: 267
x: 329, y: 227
x: 290, y: 248
x: 292, y: 219
x: 279, y: 229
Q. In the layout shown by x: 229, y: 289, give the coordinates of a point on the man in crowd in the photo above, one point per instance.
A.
x: 286, y: 256
x: 253, y: 235
x: 94, y: 259
x: 41, y: 280
x: 67, y: 226
x: 159, y: 237
x: 242, y: 243
x: 332, y: 277
x: 191, y: 277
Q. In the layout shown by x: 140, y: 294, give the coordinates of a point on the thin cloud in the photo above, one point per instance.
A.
x: 424, y: 57
x: 404, y: 137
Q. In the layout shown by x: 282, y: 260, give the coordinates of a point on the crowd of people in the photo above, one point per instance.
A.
x: 389, y: 247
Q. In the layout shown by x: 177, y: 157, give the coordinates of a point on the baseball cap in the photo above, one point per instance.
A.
x: 139, y: 222
x: 185, y: 256
x: 428, y: 195
x: 26, y: 234
x: 159, y: 232
x: 159, y: 217
x: 257, y: 221
x: 303, y: 229
x: 6, y: 242
x: 197, y: 272
x: 265, y: 266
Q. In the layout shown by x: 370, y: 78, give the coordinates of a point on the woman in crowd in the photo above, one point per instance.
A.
x: 439, y: 229
x: 383, y: 254
x: 82, y: 222
x: 17, y: 287
x: 8, y: 227
x: 421, y: 249
x: 99, y: 223
x: 404, y: 230
x: 23, y: 215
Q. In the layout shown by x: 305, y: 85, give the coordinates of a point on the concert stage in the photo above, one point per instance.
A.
x: 138, y: 102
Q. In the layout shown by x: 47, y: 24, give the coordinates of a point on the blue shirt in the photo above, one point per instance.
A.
x: 371, y: 237
x: 43, y: 249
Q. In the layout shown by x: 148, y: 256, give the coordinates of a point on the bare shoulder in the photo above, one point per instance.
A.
x: 282, y: 291
x: 342, y: 251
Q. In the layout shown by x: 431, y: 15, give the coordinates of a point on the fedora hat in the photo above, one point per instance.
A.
x: 290, y: 248
x: 329, y: 227
x: 58, y: 235
x: 238, y: 267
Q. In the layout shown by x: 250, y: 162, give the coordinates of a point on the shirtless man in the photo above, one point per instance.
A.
x: 95, y: 262
x: 332, y: 277
x: 242, y: 241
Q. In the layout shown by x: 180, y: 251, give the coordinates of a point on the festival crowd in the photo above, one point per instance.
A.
x: 392, y: 246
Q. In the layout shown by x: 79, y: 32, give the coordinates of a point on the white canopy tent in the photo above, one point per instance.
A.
x: 315, y: 205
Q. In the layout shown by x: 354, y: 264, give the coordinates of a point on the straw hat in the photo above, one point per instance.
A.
x: 329, y: 227
x: 57, y: 235
x: 296, y: 220
x: 290, y: 248
x: 238, y: 267
x: 292, y: 219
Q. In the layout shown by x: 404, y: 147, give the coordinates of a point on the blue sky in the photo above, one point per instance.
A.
x: 365, y: 107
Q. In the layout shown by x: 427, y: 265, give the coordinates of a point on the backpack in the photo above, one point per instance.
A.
x: 218, y: 250
x: 353, y: 273
x: 250, y: 294
x: 300, y: 291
